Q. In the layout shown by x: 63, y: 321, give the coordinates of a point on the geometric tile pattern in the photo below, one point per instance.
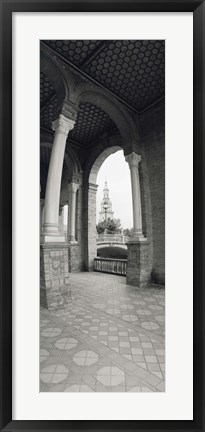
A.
x: 47, y: 115
x: 54, y: 374
x: 79, y: 388
x: 66, y: 343
x: 43, y: 354
x: 46, y: 88
x: 48, y: 101
x: 90, y: 123
x: 45, y: 155
x: 104, y: 351
x: 85, y: 358
x: 74, y: 50
x: 110, y: 376
x: 51, y: 332
x: 131, y: 318
x: 149, y: 325
x: 132, y: 69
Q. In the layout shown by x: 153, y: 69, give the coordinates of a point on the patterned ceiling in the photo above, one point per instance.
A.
x: 46, y: 89
x: 134, y: 70
x: 91, y: 122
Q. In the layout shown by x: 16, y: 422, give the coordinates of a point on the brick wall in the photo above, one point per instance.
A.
x: 153, y: 136
x: 75, y: 258
x: 54, y: 276
x: 75, y: 250
x: 89, y: 229
x: 139, y: 264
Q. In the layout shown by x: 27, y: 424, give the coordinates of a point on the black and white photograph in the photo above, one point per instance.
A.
x: 102, y: 215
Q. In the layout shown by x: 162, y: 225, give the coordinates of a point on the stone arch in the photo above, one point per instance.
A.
x: 122, y: 118
x: 76, y: 163
x: 61, y: 78
x: 90, y: 189
x: 105, y: 143
x: 53, y: 74
x: 105, y: 148
x: 99, y: 161
x: 75, y: 93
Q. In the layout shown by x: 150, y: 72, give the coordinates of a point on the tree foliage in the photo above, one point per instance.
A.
x: 128, y: 232
x: 112, y: 226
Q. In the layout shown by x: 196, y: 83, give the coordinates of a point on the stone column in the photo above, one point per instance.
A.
x: 72, y: 187
x: 54, y: 272
x: 89, y: 221
x: 138, y: 261
x: 61, y: 219
x: 133, y: 160
x: 62, y: 126
x: 75, y: 240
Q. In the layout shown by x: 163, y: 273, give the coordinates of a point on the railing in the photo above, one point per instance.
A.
x: 112, y: 238
x: 111, y: 265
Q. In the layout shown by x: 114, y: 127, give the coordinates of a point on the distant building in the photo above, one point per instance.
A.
x: 106, y: 206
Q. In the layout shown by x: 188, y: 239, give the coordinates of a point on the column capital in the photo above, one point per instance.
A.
x: 63, y: 125
x: 133, y: 159
x: 73, y: 187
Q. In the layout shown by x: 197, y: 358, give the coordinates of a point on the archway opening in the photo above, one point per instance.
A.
x: 114, y: 207
x: 107, y: 225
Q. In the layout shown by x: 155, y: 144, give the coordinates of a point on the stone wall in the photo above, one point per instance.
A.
x: 54, y: 276
x: 138, y: 264
x: 75, y: 258
x: 89, y: 229
x: 153, y: 137
x: 75, y: 248
x: 146, y: 207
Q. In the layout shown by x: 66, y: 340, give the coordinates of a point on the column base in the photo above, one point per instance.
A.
x: 138, y: 239
x: 55, y: 290
x: 52, y: 238
x: 73, y: 241
x: 52, y: 234
x: 138, y: 264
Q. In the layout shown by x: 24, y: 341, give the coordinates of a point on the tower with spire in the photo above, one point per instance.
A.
x: 106, y: 205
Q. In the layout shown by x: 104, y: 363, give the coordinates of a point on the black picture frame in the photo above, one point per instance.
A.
x: 7, y: 8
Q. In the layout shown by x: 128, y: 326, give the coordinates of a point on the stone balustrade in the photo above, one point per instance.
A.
x: 112, y: 238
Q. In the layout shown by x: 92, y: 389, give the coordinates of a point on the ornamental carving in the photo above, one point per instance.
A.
x: 63, y: 125
x: 133, y: 159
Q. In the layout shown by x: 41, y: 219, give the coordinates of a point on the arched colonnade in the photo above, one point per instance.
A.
x: 59, y: 256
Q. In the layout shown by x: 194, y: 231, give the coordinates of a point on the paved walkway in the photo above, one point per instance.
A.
x: 109, y: 338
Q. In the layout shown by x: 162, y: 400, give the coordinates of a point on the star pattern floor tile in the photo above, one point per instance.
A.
x: 108, y: 338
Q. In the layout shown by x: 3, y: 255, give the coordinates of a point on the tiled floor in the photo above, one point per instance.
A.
x: 109, y: 338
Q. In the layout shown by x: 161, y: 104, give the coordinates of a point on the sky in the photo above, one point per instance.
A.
x: 117, y: 173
